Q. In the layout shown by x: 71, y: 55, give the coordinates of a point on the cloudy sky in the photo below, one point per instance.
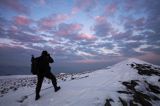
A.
x: 80, y: 35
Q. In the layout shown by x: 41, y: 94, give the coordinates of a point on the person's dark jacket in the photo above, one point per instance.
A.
x: 44, y: 61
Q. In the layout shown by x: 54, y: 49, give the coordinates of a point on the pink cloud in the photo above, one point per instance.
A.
x: 14, y: 29
x: 100, y: 19
x: 86, y: 36
x: 76, y: 27
x: 22, y: 20
x: 47, y: 23
x: 64, y: 32
x: 68, y: 29
x: 52, y: 20
x: 110, y: 9
x: 14, y: 5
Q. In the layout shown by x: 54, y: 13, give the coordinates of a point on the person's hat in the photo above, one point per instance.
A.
x: 44, y: 52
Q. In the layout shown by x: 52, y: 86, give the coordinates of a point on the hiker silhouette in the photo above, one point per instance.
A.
x: 45, y: 71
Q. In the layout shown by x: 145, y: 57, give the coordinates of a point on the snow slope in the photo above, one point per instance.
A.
x: 130, y: 82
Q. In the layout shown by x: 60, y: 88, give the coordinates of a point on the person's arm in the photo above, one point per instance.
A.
x: 50, y: 59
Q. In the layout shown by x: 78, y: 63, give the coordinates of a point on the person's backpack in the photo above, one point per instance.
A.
x: 34, y: 65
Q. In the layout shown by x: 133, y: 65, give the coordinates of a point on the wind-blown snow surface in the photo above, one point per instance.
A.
x: 130, y: 82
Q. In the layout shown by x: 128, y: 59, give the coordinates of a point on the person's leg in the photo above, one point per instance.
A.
x: 39, y: 85
x: 54, y: 80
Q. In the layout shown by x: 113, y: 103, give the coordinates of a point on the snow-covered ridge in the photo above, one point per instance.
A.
x: 130, y: 82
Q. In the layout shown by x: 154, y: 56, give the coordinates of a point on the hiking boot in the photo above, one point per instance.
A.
x: 37, y: 97
x: 57, y: 88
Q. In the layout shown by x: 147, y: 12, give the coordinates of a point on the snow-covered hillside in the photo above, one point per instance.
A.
x: 131, y: 82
